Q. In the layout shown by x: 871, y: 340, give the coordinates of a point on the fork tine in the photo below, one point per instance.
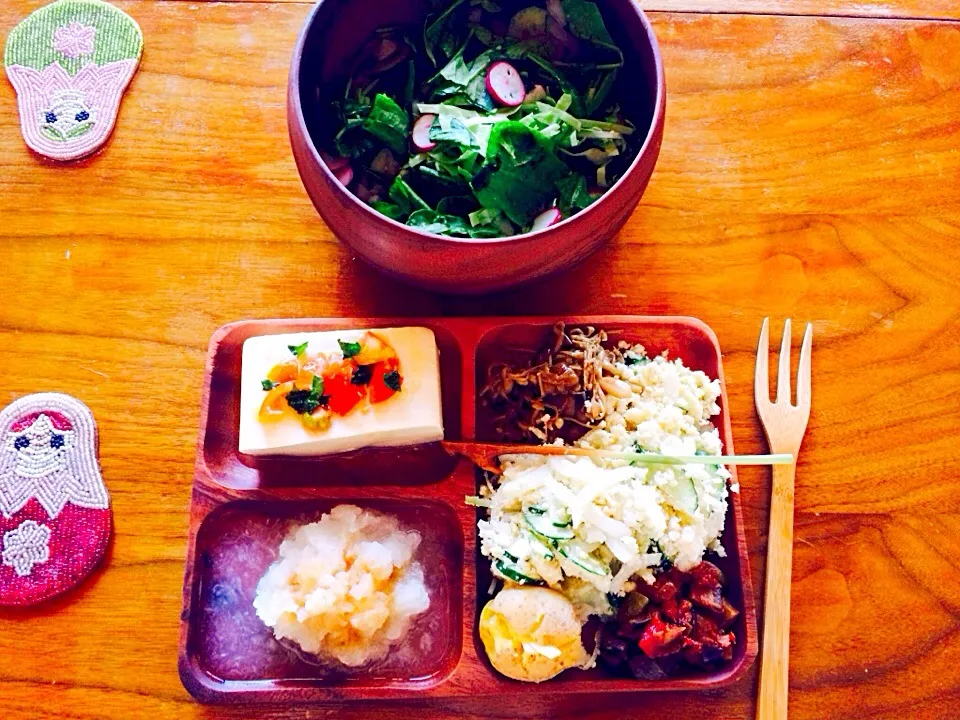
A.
x: 803, y: 372
x: 761, y: 383
x: 783, y: 374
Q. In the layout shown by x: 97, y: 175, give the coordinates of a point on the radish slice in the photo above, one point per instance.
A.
x: 421, y: 133
x: 344, y: 175
x: 546, y: 219
x: 334, y: 162
x: 505, y: 84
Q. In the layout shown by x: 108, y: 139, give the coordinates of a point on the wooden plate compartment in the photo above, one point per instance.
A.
x: 242, y: 506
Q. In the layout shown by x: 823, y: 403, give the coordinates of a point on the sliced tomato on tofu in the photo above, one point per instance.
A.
x: 338, y: 386
x: 386, y: 380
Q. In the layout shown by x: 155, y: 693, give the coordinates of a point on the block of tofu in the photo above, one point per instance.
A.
x: 411, y: 416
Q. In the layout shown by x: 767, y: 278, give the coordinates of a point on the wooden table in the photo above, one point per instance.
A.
x: 810, y: 168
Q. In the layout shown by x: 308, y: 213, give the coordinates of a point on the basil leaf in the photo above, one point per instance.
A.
x: 349, y: 349
x: 268, y: 384
x: 389, y: 122
x: 362, y: 375
x: 392, y: 380
x: 303, y: 401
x: 298, y: 349
x: 317, y: 385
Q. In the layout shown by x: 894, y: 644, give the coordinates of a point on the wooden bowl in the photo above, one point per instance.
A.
x: 333, y: 31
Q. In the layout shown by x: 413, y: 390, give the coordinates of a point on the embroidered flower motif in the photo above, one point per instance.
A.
x: 74, y: 40
x: 26, y: 546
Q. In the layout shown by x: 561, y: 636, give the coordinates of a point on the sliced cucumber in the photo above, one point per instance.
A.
x: 683, y: 496
x: 543, y: 525
x: 510, y: 571
x: 540, y: 546
x: 582, y: 559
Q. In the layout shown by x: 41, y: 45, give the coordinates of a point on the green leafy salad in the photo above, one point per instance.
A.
x: 497, y: 119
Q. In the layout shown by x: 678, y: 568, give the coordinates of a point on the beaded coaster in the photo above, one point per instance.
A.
x: 70, y: 63
x: 54, y: 507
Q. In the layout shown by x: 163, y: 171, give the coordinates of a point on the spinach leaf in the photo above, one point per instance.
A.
x: 564, y: 83
x: 461, y: 82
x: 389, y: 122
x: 598, y: 92
x: 573, y: 194
x: 440, y: 36
x: 352, y: 140
x: 438, y: 175
x: 405, y: 197
x: 449, y: 129
x: 432, y: 221
x: 525, y: 180
x: 586, y: 23
x: 457, y: 205
x: 442, y: 224
x: 391, y: 210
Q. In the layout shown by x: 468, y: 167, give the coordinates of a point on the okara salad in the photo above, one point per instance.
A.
x: 498, y: 118
x: 622, y: 542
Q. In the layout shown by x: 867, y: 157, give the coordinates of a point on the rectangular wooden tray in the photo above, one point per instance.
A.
x: 241, y: 507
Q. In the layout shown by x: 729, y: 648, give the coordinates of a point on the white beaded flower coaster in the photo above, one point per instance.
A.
x: 54, y: 508
x: 70, y: 63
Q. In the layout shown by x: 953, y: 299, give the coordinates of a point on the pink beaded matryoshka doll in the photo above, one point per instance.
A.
x: 54, y: 507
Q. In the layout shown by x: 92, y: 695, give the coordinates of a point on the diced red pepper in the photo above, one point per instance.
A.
x: 337, y: 386
x: 708, y: 575
x: 661, y: 589
x: 677, y: 611
x: 379, y: 390
x: 707, y: 597
x: 660, y: 638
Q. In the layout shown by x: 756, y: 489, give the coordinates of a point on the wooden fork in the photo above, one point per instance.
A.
x: 784, y: 425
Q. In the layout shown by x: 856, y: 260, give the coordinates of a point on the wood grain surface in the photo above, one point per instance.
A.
x: 809, y: 169
x: 911, y: 9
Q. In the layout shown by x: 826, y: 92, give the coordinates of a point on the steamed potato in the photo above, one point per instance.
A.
x: 531, y: 633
